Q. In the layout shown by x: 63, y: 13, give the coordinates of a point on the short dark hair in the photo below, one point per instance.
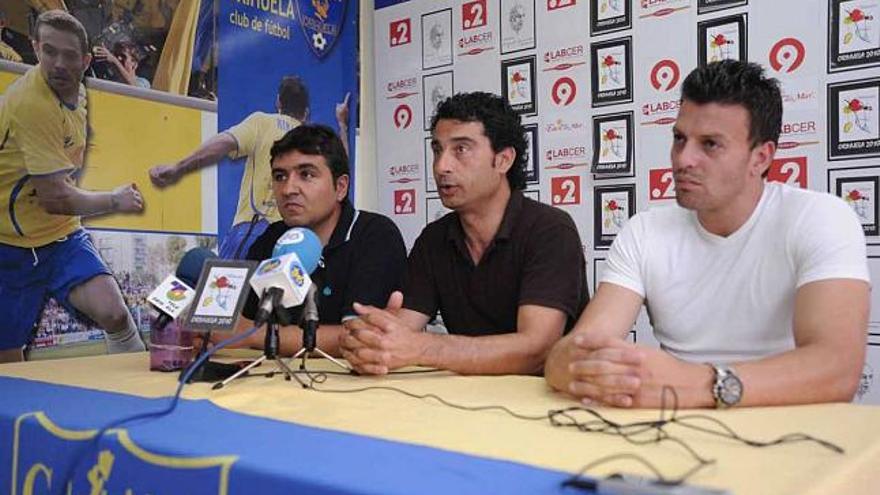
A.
x: 62, y: 21
x: 127, y: 48
x: 314, y: 139
x: 501, y: 125
x: 293, y: 97
x: 732, y: 82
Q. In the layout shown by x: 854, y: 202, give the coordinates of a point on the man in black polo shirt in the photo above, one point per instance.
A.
x: 364, y: 255
x: 506, y: 273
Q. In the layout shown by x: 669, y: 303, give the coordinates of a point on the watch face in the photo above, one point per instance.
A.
x: 731, y: 390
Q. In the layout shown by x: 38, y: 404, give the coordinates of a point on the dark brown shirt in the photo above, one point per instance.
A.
x: 535, y: 258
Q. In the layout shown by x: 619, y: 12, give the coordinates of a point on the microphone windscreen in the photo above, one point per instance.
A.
x: 304, y: 243
x: 190, y: 266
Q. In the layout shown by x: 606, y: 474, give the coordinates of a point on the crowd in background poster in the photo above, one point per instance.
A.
x: 143, y: 36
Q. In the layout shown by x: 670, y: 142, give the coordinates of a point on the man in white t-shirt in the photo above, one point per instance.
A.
x: 758, y: 293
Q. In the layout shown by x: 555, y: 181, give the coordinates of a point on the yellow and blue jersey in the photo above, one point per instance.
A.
x: 39, y: 135
x: 255, y: 136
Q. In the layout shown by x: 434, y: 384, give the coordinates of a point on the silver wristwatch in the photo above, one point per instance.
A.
x: 728, y: 388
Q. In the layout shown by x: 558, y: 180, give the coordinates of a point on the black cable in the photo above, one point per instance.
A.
x: 436, y: 397
x: 577, y: 480
x: 730, y: 433
x: 630, y: 432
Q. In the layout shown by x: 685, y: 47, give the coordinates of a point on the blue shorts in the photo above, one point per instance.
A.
x: 238, y: 240
x: 28, y: 277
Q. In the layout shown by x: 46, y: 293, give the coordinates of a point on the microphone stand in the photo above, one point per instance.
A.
x: 270, y: 345
x: 310, y: 333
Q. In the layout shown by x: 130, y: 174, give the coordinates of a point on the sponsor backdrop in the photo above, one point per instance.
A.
x: 597, y: 83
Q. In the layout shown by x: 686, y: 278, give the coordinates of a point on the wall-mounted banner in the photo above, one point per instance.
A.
x: 608, y: 16
x: 261, y: 43
x: 704, y: 6
x: 517, y: 25
x: 858, y: 187
x: 519, y: 82
x: 613, y: 145
x: 437, y: 39
x: 612, y: 72
x: 612, y: 208
x: 854, y: 120
x: 853, y: 34
x: 722, y: 39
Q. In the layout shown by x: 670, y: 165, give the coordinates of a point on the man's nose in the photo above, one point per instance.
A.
x: 442, y: 163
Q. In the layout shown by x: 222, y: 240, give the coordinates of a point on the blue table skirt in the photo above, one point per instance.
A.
x: 203, y: 449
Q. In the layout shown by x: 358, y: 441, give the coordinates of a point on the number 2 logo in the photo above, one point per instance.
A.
x: 399, y: 32
x: 565, y: 190
x: 404, y: 201
x: 662, y: 183
x: 473, y: 14
x: 791, y: 171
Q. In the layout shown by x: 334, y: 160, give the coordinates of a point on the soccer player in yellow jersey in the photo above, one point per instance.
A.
x: 44, y: 251
x: 252, y: 138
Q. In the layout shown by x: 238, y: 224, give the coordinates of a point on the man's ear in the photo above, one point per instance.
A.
x: 341, y: 187
x: 504, y: 159
x: 764, y: 154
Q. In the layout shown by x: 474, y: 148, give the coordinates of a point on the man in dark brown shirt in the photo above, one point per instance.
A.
x: 506, y: 273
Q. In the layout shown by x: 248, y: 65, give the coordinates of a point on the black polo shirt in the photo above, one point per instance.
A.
x: 535, y: 258
x: 363, y: 262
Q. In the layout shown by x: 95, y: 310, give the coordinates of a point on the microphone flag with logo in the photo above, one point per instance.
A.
x: 284, y: 278
x: 176, y: 292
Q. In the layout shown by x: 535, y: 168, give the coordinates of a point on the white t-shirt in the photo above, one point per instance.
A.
x: 725, y: 299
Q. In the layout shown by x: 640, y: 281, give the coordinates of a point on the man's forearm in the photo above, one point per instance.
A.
x: 558, y: 359
x: 512, y: 353
x: 209, y: 153
x: 808, y: 374
x: 76, y: 201
x: 343, y: 136
x: 805, y: 375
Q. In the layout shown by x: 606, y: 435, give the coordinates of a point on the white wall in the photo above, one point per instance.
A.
x: 366, y: 190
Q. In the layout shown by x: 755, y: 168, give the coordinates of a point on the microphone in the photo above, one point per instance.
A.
x: 176, y: 292
x: 283, y: 280
x: 310, y: 320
